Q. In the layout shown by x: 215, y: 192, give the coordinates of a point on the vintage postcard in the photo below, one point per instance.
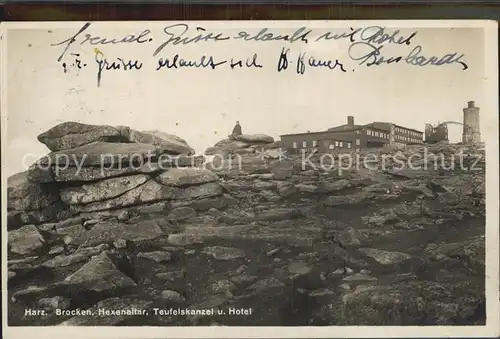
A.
x: 244, y: 179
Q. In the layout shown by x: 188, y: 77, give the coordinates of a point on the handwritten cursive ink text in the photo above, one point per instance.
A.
x: 140, y: 38
x: 176, y: 35
x: 264, y: 35
x: 104, y: 65
x: 178, y: 62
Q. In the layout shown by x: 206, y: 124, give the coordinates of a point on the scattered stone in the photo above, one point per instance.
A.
x: 224, y: 253
x: 299, y: 268
x: 56, y: 250
x: 123, y: 216
x: 156, y: 256
x: 181, y: 214
x: 274, y: 251
x: 54, y: 303
x: 65, y: 260
x: 385, y: 257
x: 110, y: 231
x: 11, y: 275
x: 345, y: 287
x: 266, y: 284
x: 226, y: 287
x: 171, y: 276
x: 359, y: 277
x: 25, y: 240
x: 172, y: 296
x: 120, y: 244
x: 91, y: 222
x: 278, y: 214
x: 100, y: 274
x: 321, y: 293
x: 28, y: 292
x: 180, y: 239
x: 306, y: 188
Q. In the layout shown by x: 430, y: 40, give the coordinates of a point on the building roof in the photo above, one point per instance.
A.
x: 345, y: 128
x: 387, y: 126
x: 380, y: 125
x: 305, y: 133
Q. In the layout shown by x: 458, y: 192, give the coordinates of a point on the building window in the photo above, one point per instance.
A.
x: 357, y: 142
x: 294, y: 145
x: 331, y: 146
x: 348, y: 145
x: 340, y: 144
x: 304, y: 144
x: 336, y: 144
x: 314, y: 143
x: 369, y: 132
x: 358, y: 131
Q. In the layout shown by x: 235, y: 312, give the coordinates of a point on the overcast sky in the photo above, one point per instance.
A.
x: 202, y: 105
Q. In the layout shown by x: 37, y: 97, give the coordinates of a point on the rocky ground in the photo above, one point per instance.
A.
x: 298, y: 245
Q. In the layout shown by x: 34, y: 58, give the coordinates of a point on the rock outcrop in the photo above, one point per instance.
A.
x: 247, y: 144
x: 98, y: 168
x: 316, y: 240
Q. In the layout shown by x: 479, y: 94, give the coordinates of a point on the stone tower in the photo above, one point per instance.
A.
x: 471, y: 133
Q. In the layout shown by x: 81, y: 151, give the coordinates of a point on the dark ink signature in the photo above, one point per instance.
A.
x: 121, y: 64
x: 142, y: 37
x: 370, y: 55
x: 177, y: 35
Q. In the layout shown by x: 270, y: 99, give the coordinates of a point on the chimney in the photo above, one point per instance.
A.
x: 471, y: 104
x: 350, y: 120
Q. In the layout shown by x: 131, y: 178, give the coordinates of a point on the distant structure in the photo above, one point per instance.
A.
x: 471, y: 132
x: 351, y: 136
x: 436, y: 134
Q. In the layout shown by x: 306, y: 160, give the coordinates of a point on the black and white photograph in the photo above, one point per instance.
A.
x: 250, y: 179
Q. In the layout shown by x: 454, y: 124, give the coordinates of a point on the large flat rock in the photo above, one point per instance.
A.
x: 186, y: 176
x: 150, y: 191
x: 102, y: 190
x: 255, y: 138
x: 71, y: 134
x: 103, y: 154
x: 51, y: 174
x: 173, y: 144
